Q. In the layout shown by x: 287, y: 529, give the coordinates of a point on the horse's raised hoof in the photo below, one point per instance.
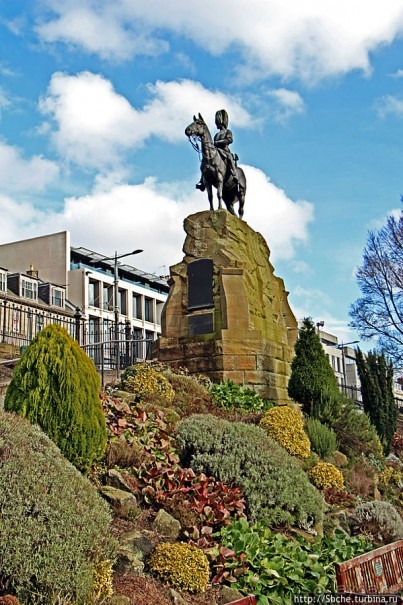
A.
x: 200, y: 186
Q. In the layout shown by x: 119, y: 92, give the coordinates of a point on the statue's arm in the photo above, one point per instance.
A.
x: 223, y: 141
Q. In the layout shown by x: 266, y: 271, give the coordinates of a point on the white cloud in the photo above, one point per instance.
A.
x: 397, y: 74
x: 287, y: 103
x: 300, y: 266
x: 94, y: 123
x: 310, y: 40
x: 25, y: 175
x: 389, y: 105
x: 150, y: 216
x: 4, y: 100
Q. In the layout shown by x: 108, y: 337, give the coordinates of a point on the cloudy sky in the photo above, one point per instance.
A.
x: 95, y: 97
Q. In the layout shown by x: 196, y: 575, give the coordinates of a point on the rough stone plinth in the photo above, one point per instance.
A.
x: 253, y: 328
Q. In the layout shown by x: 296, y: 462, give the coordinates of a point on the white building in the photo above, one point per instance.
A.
x: 88, y: 281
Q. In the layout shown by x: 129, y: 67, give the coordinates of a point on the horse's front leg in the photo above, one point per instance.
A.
x: 219, y: 193
x: 210, y: 195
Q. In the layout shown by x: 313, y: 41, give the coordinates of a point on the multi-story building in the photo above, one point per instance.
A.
x: 109, y: 300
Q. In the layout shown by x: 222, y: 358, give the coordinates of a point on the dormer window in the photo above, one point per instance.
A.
x: 29, y: 288
x: 57, y: 299
x: 3, y: 281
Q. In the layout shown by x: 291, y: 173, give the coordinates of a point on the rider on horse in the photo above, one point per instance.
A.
x: 222, y: 140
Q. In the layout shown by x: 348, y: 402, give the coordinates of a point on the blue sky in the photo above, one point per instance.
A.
x: 95, y: 97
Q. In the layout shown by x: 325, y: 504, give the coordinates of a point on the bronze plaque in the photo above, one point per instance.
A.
x: 200, y: 284
x: 200, y: 324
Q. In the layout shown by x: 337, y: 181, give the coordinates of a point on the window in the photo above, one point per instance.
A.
x: 160, y: 306
x: 123, y: 302
x: 149, y: 309
x: 57, y: 297
x: 137, y: 308
x: 39, y: 323
x: 3, y: 281
x: 107, y: 297
x: 29, y: 289
x: 93, y: 293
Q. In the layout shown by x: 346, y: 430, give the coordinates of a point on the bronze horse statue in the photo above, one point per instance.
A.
x: 215, y: 169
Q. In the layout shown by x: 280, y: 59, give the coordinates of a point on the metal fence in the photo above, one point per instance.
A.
x: 110, y: 349
x: 20, y: 324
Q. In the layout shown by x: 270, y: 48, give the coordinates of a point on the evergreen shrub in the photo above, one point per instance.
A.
x: 182, y: 565
x: 56, y: 385
x: 286, y: 426
x: 312, y: 381
x: 276, y: 489
x: 376, y: 377
x: 323, y: 439
x: 355, y: 433
x: 55, y: 528
x: 379, y: 520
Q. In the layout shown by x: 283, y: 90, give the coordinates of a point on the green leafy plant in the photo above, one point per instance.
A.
x: 233, y: 396
x: 146, y: 435
x: 182, y: 565
x: 55, y: 528
x: 275, y: 567
x: 276, y: 489
x: 323, y: 439
x: 286, y: 426
x: 56, y: 386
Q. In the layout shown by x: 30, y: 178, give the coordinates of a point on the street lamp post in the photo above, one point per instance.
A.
x: 116, y: 297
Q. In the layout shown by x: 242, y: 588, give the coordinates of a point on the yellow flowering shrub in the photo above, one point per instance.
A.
x: 325, y: 475
x: 391, y: 475
x: 286, y: 426
x: 182, y: 565
x: 102, y: 573
x: 144, y: 381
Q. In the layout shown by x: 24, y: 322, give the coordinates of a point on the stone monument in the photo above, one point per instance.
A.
x: 227, y: 314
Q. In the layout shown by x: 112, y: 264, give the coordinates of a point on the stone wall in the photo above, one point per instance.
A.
x: 247, y: 331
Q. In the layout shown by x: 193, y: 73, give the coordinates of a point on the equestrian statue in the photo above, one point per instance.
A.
x: 218, y: 166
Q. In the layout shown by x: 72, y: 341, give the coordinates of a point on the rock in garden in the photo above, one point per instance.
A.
x: 122, y: 502
x: 166, y: 525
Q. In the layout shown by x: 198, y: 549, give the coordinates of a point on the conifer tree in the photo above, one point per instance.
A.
x: 56, y: 386
x: 312, y: 382
x: 376, y: 377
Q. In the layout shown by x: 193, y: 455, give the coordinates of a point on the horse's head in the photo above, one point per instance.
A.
x: 197, y: 128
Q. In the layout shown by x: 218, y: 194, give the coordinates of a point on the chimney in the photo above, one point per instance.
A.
x: 32, y: 272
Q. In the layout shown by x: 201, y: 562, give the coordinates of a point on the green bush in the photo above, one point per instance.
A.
x: 312, y: 380
x: 323, y: 439
x: 276, y: 489
x: 379, y: 520
x: 355, y: 433
x: 182, y: 565
x: 54, y: 526
x: 56, y: 386
x: 233, y: 396
x: 190, y: 396
x: 274, y: 567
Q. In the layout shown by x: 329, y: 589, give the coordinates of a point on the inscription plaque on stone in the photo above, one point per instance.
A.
x: 200, y: 284
x: 200, y: 324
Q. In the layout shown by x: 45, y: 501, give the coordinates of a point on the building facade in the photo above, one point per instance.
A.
x: 105, y: 301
